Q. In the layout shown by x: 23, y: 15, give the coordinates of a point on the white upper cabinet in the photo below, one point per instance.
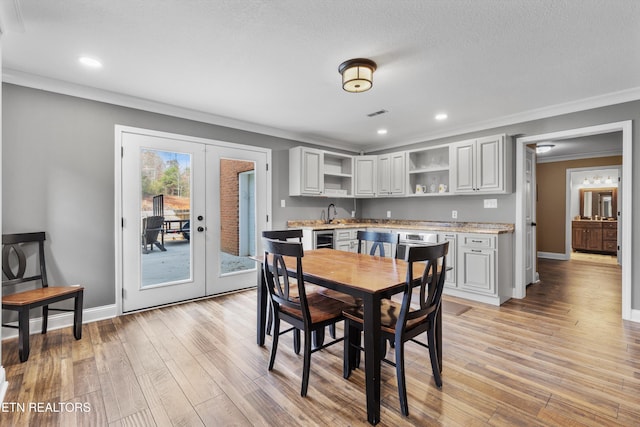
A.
x: 391, y: 174
x: 315, y: 172
x: 481, y: 166
x: 305, y: 171
x: 366, y: 176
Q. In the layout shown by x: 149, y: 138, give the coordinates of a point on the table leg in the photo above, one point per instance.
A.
x: 262, y: 306
x: 372, y: 355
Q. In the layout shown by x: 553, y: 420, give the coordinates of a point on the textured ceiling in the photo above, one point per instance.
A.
x: 271, y: 66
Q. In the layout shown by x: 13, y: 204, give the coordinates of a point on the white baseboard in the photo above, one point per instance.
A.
x: 554, y: 255
x: 635, y: 315
x: 63, y: 320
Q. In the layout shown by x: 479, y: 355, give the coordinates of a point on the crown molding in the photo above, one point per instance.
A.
x: 66, y: 88
x: 612, y: 98
x: 87, y: 92
x: 594, y: 154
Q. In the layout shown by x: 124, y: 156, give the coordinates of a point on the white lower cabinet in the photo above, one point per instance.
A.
x: 484, y: 269
x: 450, y: 279
x: 346, y: 239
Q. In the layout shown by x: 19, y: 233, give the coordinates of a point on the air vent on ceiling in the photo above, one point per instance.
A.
x: 377, y: 113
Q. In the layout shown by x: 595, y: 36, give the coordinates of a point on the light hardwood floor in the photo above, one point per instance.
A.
x: 560, y: 357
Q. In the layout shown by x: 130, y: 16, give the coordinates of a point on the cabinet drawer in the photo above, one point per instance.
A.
x: 587, y: 224
x: 613, y: 225
x: 345, y: 234
x: 610, y: 246
x: 342, y: 235
x: 608, y: 234
x: 481, y: 242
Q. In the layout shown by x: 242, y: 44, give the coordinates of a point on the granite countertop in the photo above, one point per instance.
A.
x: 454, y: 226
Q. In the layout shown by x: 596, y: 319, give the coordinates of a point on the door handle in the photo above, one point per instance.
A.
x: 200, y: 229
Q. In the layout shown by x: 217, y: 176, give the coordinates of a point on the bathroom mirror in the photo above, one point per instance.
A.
x: 599, y: 203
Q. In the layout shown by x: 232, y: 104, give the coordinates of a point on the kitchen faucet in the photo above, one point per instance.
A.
x: 335, y: 212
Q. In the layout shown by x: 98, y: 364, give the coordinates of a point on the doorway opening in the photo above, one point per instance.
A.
x: 624, y: 197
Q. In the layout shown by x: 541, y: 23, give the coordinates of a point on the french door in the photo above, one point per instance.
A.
x: 191, y: 213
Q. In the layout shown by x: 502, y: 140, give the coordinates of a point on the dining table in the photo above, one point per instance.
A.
x: 370, y: 278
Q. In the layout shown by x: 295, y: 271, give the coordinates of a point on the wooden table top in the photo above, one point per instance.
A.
x: 363, y: 273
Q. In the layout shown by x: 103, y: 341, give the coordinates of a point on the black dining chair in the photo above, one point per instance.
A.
x: 400, y: 322
x: 283, y: 235
x: 16, y: 271
x: 308, y: 312
x: 378, y: 238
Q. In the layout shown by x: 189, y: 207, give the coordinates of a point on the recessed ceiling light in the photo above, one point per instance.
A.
x: 90, y: 62
x: 441, y: 116
x: 382, y: 131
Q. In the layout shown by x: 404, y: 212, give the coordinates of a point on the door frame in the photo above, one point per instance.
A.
x: 119, y: 130
x: 625, y: 127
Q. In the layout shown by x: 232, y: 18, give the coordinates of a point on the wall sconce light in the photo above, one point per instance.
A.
x: 357, y: 74
x: 543, y: 148
x: 609, y: 180
x: 585, y: 181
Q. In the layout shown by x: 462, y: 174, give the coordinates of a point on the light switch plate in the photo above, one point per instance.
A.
x: 282, y: 203
x: 490, y: 203
x: 388, y: 214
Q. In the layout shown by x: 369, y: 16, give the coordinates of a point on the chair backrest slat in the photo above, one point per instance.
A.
x: 13, y: 244
x: 283, y: 235
x: 431, y: 282
x: 378, y: 238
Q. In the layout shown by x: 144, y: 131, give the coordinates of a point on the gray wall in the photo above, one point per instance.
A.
x: 58, y: 167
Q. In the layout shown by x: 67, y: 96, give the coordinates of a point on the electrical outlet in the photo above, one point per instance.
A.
x: 353, y: 214
x: 282, y: 203
x: 454, y: 214
x: 388, y: 214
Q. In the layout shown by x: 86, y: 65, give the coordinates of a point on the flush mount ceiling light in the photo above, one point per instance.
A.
x: 357, y: 74
x: 441, y: 116
x: 90, y: 62
x: 382, y: 131
x: 543, y: 148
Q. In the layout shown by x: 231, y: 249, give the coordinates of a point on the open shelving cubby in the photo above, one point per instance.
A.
x: 429, y: 168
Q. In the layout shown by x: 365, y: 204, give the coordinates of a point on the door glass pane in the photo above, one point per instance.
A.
x: 237, y: 215
x: 165, y: 216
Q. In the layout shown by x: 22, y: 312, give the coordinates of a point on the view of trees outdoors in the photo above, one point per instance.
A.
x: 164, y: 176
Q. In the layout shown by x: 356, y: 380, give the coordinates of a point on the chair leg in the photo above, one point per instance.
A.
x: 318, y: 338
x: 433, y: 355
x: 269, y: 319
x: 402, y: 386
x: 23, y: 334
x: 332, y: 331
x: 296, y: 341
x: 274, y: 343
x: 306, y: 367
x: 45, y: 318
x: 77, y: 316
